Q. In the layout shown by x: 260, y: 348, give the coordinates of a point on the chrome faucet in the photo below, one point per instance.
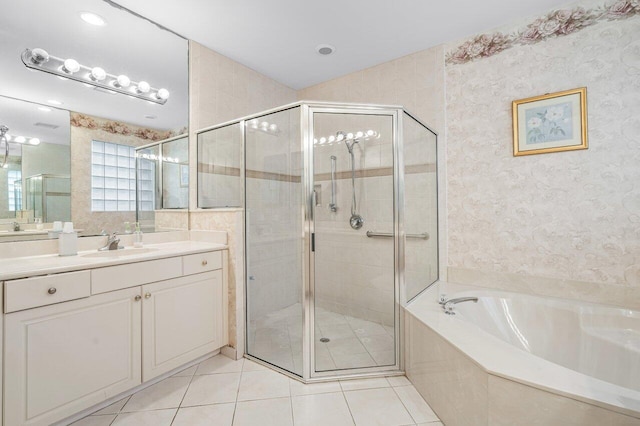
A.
x: 16, y: 226
x: 112, y: 243
x: 448, y: 304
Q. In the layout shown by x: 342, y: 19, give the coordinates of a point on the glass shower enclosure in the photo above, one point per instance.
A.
x: 340, y: 205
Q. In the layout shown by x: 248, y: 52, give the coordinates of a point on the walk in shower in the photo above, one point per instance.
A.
x: 340, y: 205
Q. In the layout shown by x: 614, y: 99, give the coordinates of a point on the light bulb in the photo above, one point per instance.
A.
x: 34, y: 141
x: 39, y: 56
x: 254, y: 123
x: 315, y: 141
x: 97, y: 74
x: 122, y: 81
x: 264, y: 125
x: 371, y: 133
x: 359, y: 135
x: 332, y: 139
x: 273, y: 127
x: 163, y: 94
x: 70, y: 66
x: 340, y: 137
x: 93, y: 19
x: 323, y: 141
x: 143, y: 87
x: 19, y: 139
x: 349, y: 136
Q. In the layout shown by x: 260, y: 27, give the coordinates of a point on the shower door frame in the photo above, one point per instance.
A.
x: 307, y: 129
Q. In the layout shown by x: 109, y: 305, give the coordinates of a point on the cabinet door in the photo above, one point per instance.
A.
x: 63, y: 358
x: 181, y: 320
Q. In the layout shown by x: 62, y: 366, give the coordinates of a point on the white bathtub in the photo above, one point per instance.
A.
x: 578, y: 351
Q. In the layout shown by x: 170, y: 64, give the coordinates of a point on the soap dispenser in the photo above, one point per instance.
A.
x: 137, y: 236
x: 68, y: 241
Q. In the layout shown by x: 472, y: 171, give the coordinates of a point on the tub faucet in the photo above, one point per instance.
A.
x: 448, y: 305
x: 16, y: 226
x: 112, y: 243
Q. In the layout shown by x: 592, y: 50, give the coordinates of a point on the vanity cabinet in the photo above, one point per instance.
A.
x: 63, y: 358
x: 181, y: 320
x: 73, y: 340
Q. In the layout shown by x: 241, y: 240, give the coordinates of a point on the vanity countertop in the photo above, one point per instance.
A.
x: 29, y: 266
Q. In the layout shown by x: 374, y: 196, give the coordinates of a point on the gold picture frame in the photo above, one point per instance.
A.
x: 553, y: 122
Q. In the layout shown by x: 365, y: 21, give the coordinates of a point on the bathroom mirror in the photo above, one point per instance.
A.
x: 86, y: 127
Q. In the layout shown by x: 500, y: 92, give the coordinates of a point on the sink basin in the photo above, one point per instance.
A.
x: 120, y: 253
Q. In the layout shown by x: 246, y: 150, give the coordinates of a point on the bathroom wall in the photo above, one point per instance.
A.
x: 562, y: 224
x: 221, y: 90
x: 46, y: 158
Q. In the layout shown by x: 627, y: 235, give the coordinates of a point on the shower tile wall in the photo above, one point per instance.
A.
x: 354, y: 273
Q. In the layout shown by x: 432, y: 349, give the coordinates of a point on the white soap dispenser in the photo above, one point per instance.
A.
x: 137, y: 236
x: 68, y: 241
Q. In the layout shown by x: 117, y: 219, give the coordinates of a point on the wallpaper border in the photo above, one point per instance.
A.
x: 557, y: 23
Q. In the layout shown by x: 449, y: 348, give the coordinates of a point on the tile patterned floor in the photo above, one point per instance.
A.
x: 223, y: 392
x: 354, y: 342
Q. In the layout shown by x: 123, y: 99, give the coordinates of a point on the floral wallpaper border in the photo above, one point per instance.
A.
x: 555, y: 24
x: 118, y: 128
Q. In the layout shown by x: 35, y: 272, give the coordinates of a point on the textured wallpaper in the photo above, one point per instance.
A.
x: 567, y: 216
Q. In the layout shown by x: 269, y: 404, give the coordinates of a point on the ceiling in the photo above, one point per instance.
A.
x: 278, y: 37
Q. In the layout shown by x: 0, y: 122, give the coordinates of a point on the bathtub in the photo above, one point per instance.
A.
x: 511, y: 356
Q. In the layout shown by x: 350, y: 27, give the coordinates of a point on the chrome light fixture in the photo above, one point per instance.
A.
x: 39, y: 59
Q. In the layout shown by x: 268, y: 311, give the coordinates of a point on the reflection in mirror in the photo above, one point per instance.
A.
x: 93, y: 147
x: 163, y: 178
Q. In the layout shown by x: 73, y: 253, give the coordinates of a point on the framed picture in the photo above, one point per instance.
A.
x: 184, y: 175
x: 550, y: 123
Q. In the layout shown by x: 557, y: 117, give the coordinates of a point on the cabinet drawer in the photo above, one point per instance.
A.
x: 39, y: 291
x: 132, y: 274
x: 202, y: 262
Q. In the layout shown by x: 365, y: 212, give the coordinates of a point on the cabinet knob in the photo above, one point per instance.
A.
x: 52, y: 290
x: 147, y: 295
x: 137, y: 298
x: 204, y: 263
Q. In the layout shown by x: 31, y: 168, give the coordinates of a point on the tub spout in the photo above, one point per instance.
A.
x: 448, y: 305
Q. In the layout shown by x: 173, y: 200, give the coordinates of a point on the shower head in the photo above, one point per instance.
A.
x: 350, y: 144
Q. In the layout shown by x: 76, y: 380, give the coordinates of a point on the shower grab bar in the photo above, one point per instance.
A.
x: 333, y: 207
x: 371, y: 234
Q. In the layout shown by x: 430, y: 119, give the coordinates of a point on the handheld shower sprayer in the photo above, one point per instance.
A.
x: 356, y: 221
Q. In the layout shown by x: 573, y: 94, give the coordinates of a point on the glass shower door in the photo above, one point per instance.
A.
x: 274, y: 239
x: 353, y: 286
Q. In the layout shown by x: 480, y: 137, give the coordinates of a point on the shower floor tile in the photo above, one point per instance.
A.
x: 353, y: 342
x: 245, y: 393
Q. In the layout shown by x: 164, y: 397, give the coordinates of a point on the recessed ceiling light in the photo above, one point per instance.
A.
x: 325, y: 49
x: 45, y: 109
x: 54, y: 102
x: 92, y: 18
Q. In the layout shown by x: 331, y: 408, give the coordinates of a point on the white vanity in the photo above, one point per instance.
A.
x: 81, y: 330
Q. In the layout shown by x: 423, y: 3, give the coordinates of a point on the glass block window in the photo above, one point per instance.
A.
x: 14, y: 190
x: 113, y: 177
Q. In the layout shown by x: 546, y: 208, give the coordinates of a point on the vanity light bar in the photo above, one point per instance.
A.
x: 39, y: 59
x: 157, y: 157
x: 359, y: 135
x: 22, y: 139
x: 263, y: 126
